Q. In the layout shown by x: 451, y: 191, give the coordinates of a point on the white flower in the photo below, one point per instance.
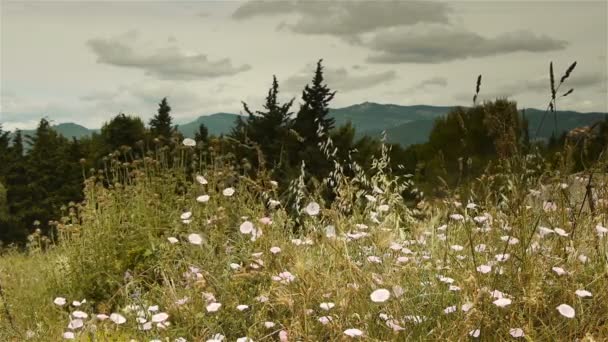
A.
x: 246, y: 227
x: 325, y: 319
x: 474, y: 333
x: 235, y: 266
x: 244, y: 339
x: 228, y: 192
x: 60, y: 301
x: 273, y: 203
x: 456, y: 248
x: 217, y: 338
x: 195, y: 239
x: 186, y: 215
x: 583, y: 293
x: 75, y: 324
x: 560, y: 232
x: 213, y: 307
x: 172, y: 240
x: 353, y: 332
x: 516, y: 332
x: 449, y: 309
x: 201, y: 179
x: 560, y: 271
x: 79, y: 314
x: 380, y: 295
x: 202, y: 199
x: 457, y: 217
x: 601, y: 231
x: 284, y: 277
x: 466, y: 307
x: 545, y: 231
x: 269, y: 325
x: 370, y: 198
x: 502, y: 257
x: 583, y: 258
x: 189, y: 142
x: 327, y: 306
x: 313, y: 209
x: 484, y: 269
x: 383, y: 207
x: 275, y: 250
x: 502, y: 302
x: 68, y: 335
x: 566, y: 310
x: 160, y: 317
x: 102, y: 317
x: 77, y: 303
x: 153, y: 308
x: 117, y: 318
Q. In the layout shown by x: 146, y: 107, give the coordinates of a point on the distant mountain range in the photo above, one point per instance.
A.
x: 404, y: 125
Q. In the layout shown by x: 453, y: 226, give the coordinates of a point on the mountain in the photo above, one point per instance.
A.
x: 69, y: 130
x: 404, y: 125
x: 219, y: 123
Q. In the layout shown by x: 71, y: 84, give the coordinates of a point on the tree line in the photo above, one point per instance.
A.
x: 41, y: 183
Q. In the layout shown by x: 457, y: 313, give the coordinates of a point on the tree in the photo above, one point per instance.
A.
x: 267, y: 130
x: 313, y: 124
x: 123, y: 130
x: 202, y: 135
x: 314, y: 112
x: 160, y: 124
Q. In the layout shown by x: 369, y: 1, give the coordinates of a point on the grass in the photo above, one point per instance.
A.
x: 445, y: 263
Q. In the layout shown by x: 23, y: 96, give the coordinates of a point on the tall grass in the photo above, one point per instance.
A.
x: 490, y: 263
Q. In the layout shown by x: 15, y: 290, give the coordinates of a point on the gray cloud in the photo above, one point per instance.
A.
x: 165, y: 63
x: 347, y: 18
x: 435, y: 81
x: 339, y: 79
x: 436, y: 44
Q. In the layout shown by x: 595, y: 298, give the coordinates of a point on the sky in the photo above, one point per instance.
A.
x: 86, y: 61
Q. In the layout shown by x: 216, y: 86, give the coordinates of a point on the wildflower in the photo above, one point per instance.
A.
x: 246, y: 227
x: 502, y: 257
x: 186, y: 215
x: 68, y: 335
x: 457, y: 217
x: 474, y: 333
x: 353, y: 332
x: 117, y: 318
x: 566, y: 310
x: 235, y: 266
x: 146, y: 326
x: 484, y: 269
x: 370, y: 198
x: 560, y: 271
x: 75, y: 324
x: 262, y: 299
x: 242, y: 307
x: 516, y: 332
x: 327, y: 306
x: 466, y: 307
x: 283, y: 336
x: 398, y: 291
x: 449, y: 309
x: 380, y: 295
x: 60, y: 301
x: 456, y: 248
x: 79, y: 314
x: 213, y: 307
x: 269, y: 325
x: 330, y: 232
x: 189, y: 142
x: 543, y: 231
x: 583, y: 258
x: 201, y: 180
x: 202, y: 199
x: 228, y: 192
x: 583, y: 293
x: 217, y: 338
x: 601, y: 231
x: 195, y: 239
x: 480, y: 248
x: 160, y: 317
x: 325, y: 319
x: 275, y: 250
x: 549, y: 206
x: 284, y: 277
x: 273, y: 203
x: 265, y: 220
x: 77, y: 303
x: 374, y: 259
x: 383, y: 207
x: 502, y: 302
x: 560, y: 232
x: 172, y: 240
x: 471, y: 205
x: 393, y: 325
x: 182, y: 301
x: 313, y: 209
x: 244, y: 339
x: 102, y: 317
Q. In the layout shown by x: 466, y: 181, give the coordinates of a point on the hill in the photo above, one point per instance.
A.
x: 404, y: 125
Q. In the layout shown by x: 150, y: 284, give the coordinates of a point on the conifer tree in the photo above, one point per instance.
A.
x: 202, y: 135
x: 161, y: 123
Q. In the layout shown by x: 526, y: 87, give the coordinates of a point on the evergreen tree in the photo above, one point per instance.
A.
x: 202, y: 135
x: 315, y: 109
x: 123, y: 130
x: 160, y: 124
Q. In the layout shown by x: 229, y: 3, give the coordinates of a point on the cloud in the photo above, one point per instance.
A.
x: 437, y: 44
x: 435, y: 81
x: 167, y: 63
x: 339, y: 79
x: 346, y: 18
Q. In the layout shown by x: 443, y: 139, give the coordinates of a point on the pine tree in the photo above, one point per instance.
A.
x: 202, y: 135
x: 123, y: 130
x: 161, y: 123
x: 315, y: 109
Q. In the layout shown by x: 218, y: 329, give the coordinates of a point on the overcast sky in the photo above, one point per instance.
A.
x: 85, y: 62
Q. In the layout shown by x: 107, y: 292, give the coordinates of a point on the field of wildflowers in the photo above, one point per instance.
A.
x: 175, y: 252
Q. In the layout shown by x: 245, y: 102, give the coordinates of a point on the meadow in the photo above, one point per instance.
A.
x: 185, y: 248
